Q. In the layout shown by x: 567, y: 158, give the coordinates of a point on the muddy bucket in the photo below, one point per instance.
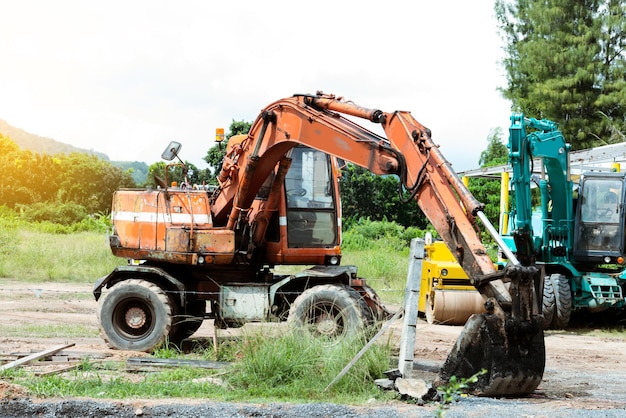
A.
x: 510, y: 352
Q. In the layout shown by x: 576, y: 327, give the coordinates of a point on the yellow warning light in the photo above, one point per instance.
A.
x: 219, y: 134
x: 615, y: 167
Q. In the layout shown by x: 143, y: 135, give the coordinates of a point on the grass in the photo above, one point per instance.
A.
x: 384, y: 268
x: 82, y: 257
x: 34, y: 256
x: 48, y: 331
x: 291, y: 367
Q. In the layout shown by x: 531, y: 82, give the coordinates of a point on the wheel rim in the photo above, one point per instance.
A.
x: 325, y: 320
x: 133, y: 319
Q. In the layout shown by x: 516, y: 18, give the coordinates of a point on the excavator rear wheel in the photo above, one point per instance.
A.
x: 135, y: 315
x: 330, y: 312
x: 563, y: 301
x: 548, y: 302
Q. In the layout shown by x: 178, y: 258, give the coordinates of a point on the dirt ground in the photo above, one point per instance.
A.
x: 583, y: 371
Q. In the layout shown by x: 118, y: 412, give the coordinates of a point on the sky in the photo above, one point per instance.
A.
x: 126, y: 77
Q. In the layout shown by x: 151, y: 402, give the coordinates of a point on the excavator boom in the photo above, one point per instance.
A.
x: 507, y: 340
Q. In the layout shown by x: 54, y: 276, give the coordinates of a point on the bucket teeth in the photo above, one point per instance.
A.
x: 511, y: 353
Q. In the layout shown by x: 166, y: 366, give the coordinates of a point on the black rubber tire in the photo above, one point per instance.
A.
x: 331, y: 312
x: 548, y: 303
x: 185, y: 325
x: 140, y: 301
x: 563, y: 301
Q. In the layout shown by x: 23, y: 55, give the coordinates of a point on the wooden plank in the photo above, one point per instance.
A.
x: 66, y: 367
x: 35, y: 356
x: 71, y: 355
x: 57, y: 371
x: 147, y: 363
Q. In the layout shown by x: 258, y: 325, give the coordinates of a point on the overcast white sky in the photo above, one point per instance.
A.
x: 126, y: 77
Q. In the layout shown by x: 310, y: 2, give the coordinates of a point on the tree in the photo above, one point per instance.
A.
x: 366, y: 195
x: 565, y: 61
x: 487, y: 191
x: 215, y: 154
x: 175, y: 173
x: 42, y: 179
x: 496, y: 153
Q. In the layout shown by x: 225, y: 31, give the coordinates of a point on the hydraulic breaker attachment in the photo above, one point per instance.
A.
x: 508, y: 347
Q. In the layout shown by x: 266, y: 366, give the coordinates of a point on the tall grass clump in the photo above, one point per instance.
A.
x: 298, y: 366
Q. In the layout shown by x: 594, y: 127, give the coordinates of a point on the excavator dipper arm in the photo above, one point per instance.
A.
x: 506, y: 341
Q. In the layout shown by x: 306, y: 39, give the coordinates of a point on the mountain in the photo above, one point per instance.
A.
x: 42, y: 145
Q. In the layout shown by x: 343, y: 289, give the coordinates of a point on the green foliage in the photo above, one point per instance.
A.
x: 454, y: 389
x: 282, y: 367
x: 365, y: 233
x: 74, y: 179
x: 380, y: 249
x: 267, y: 363
x: 138, y: 170
x: 176, y: 173
x: 487, y: 191
x: 496, y: 152
x: 38, y: 330
x: 565, y: 62
x: 365, y: 195
x: 63, y: 213
x: 215, y: 154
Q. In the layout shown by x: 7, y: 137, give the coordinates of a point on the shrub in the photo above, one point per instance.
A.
x: 366, y: 234
x: 61, y: 213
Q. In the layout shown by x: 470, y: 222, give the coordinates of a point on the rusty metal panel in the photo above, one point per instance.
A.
x: 174, y: 226
x: 189, y: 208
x: 134, y: 215
x: 217, y: 241
x: 177, y: 240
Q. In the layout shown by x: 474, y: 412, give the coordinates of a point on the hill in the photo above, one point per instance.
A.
x: 43, y: 145
x: 40, y: 144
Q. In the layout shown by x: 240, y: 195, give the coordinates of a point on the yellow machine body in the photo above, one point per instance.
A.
x: 446, y: 294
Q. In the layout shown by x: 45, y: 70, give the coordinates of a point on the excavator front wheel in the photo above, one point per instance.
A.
x: 135, y: 315
x: 330, y: 312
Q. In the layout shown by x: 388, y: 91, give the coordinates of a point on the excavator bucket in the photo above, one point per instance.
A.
x: 506, y: 350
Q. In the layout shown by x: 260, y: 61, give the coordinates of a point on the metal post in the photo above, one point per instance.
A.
x: 411, y: 297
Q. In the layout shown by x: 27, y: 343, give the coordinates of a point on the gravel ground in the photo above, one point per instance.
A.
x: 468, y: 407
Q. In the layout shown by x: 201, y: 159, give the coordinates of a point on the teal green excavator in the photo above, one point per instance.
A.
x: 578, y: 236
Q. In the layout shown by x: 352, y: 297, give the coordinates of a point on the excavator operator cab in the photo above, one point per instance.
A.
x: 599, y: 236
x: 311, y: 200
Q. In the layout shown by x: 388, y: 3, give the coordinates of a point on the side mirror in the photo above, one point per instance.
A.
x: 171, y: 151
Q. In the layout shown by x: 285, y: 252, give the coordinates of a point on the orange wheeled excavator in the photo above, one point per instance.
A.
x: 278, y: 203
